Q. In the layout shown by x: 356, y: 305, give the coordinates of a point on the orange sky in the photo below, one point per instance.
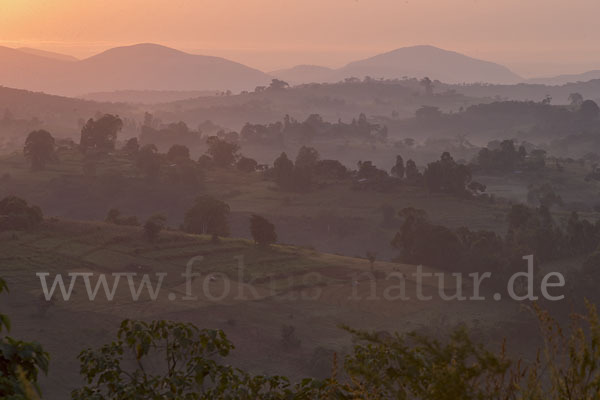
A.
x: 534, y: 37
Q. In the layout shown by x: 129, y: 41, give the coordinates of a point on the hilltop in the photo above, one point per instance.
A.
x: 412, y: 62
x: 139, y: 67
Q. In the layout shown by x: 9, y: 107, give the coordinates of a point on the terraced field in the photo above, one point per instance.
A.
x: 280, y: 285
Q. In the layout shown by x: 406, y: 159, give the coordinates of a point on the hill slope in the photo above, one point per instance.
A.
x: 413, y: 62
x: 47, y: 54
x: 137, y: 67
x: 567, y: 78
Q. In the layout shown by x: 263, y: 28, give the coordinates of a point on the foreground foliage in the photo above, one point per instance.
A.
x: 169, y: 360
x: 20, y: 363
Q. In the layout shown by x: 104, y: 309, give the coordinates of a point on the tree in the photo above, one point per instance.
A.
x: 148, y: 161
x: 589, y: 110
x: 283, y: 171
x: 307, y: 158
x: 246, y: 164
x: 277, y: 84
x: 427, y: 85
x: 16, y: 214
x: 447, y: 176
x: 208, y: 216
x: 398, y: 168
x: 132, y: 146
x: 178, y: 152
x: 576, y: 100
x: 101, y: 135
x: 39, y: 149
x: 20, y: 363
x: 263, y: 231
x: 223, y: 153
x: 413, y: 176
x: 153, y: 226
x: 114, y: 217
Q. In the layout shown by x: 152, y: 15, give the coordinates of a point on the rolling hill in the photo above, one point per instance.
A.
x: 413, y: 62
x: 137, y: 67
x: 567, y: 78
x: 47, y: 54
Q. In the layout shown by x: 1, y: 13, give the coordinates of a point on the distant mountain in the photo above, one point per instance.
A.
x: 567, y: 78
x: 412, y: 62
x: 137, y: 67
x: 304, y: 74
x: 47, y: 54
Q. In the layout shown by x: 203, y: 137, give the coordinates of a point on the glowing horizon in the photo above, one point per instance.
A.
x: 537, y: 37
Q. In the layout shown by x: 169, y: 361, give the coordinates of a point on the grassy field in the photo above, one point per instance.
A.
x: 282, y: 285
x: 334, y: 218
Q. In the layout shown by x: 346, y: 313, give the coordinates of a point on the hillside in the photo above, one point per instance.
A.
x: 137, y: 67
x: 567, y: 78
x: 281, y: 285
x: 48, y: 54
x: 413, y: 62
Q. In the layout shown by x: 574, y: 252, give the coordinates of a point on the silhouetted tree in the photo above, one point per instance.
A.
x: 398, y: 168
x: 263, y: 231
x: 39, y: 149
x: 427, y: 85
x: 153, y: 226
x: 575, y: 99
x: 277, y: 84
x: 246, y: 164
x: 223, y: 153
x: 283, y: 172
x: 207, y: 216
x: 413, y: 176
x: 148, y: 161
x: 589, y: 110
x: 16, y: 214
x: 101, y: 134
x: 132, y: 146
x: 178, y: 152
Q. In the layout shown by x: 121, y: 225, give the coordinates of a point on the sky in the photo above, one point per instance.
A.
x: 532, y: 37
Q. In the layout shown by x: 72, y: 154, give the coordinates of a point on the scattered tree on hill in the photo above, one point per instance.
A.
x: 132, y: 146
x: 246, y: 164
x: 148, y: 161
x: 283, y: 172
x: 277, y: 84
x: 101, y: 134
x: 263, y: 231
x: 208, y: 216
x: 576, y: 99
x: 307, y: 157
x: 505, y: 158
x: 39, y: 149
x: 153, y: 226
x: 421, y: 242
x: 398, y: 168
x: 222, y: 152
x: 413, y: 176
x: 447, y: 176
x: 589, y: 110
x: 16, y: 214
x: 114, y: 217
x: 332, y: 169
x: 427, y: 85
x: 178, y: 152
